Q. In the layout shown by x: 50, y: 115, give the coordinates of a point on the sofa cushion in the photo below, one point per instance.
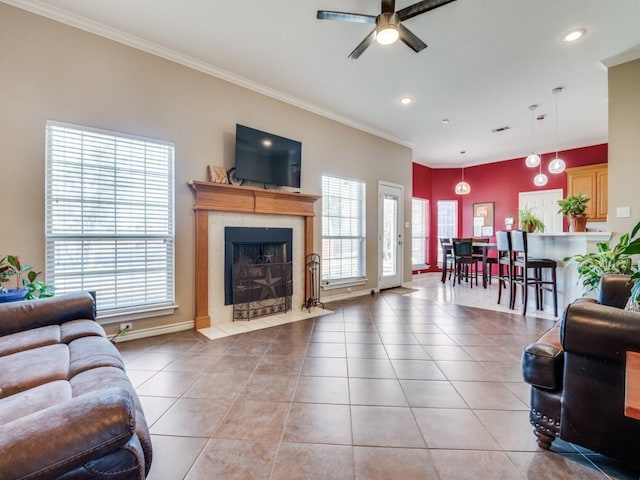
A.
x: 37, y: 337
x: 69, y: 331
x: 32, y: 400
x: 24, y: 370
x: 92, y: 352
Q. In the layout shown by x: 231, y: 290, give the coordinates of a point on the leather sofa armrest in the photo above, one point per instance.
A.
x: 601, y: 331
x: 67, y: 435
x: 28, y: 314
x: 614, y: 290
x: 542, y: 365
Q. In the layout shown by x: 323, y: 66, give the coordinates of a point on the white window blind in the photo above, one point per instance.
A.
x: 447, y: 222
x: 343, y: 229
x: 419, y: 231
x: 110, y: 217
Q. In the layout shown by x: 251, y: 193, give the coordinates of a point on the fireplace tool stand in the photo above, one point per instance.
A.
x: 312, y: 279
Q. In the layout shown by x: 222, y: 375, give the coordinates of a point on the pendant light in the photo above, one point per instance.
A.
x: 557, y: 165
x: 533, y: 160
x: 463, y: 188
x: 540, y: 180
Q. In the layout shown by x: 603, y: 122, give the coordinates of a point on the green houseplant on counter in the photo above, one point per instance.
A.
x: 633, y: 249
x: 529, y: 222
x: 28, y: 288
x: 574, y: 207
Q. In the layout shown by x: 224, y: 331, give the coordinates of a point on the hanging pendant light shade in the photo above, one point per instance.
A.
x: 463, y: 188
x: 540, y: 180
x: 533, y: 160
x: 557, y: 165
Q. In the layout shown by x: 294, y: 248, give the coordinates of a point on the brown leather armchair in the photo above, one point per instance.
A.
x: 577, y: 375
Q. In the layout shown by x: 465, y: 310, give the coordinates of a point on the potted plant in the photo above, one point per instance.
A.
x: 633, y: 249
x: 606, y: 260
x: 574, y: 207
x: 28, y: 288
x: 529, y: 222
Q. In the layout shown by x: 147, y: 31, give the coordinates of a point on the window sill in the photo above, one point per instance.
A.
x: 138, y: 314
x: 352, y: 282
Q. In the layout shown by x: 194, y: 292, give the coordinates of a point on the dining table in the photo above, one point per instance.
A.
x: 481, y: 247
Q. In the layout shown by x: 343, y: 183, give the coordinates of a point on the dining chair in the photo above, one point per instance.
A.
x: 464, y: 260
x: 487, y: 262
x: 505, y: 264
x: 522, y: 264
x: 447, y: 258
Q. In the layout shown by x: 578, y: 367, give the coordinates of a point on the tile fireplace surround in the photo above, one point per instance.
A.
x: 228, y: 205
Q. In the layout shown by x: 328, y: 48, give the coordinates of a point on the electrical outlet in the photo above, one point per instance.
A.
x: 125, y: 327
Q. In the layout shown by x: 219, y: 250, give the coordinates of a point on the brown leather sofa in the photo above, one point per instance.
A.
x: 577, y: 375
x: 67, y: 408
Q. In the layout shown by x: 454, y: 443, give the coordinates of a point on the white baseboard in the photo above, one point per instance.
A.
x: 347, y: 296
x: 154, y: 331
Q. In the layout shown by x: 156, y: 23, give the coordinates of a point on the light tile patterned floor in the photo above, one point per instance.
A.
x: 389, y: 386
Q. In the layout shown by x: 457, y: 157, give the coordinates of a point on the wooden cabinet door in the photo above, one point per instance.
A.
x: 584, y: 182
x: 602, y: 187
x: 592, y: 181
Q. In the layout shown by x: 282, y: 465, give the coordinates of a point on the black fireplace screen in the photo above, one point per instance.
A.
x: 260, y: 281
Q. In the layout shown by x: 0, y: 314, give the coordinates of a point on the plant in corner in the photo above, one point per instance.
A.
x: 633, y: 249
x: 529, y: 222
x: 592, y: 266
x: 28, y: 288
x: 574, y: 207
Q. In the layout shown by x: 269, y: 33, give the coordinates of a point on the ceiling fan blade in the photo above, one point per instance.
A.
x: 346, y: 17
x: 364, y: 44
x: 410, y: 39
x: 421, y: 7
x: 388, y: 6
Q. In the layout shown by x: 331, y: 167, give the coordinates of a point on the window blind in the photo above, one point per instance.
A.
x: 418, y: 231
x: 110, y: 217
x: 343, y: 229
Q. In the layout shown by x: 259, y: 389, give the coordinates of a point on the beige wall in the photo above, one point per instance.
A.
x: 52, y: 71
x: 624, y: 144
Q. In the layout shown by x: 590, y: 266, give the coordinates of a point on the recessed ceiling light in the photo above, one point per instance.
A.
x: 445, y: 121
x: 574, y: 35
x: 405, y: 100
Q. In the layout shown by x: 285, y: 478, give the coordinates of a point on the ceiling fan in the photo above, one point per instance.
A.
x: 388, y: 24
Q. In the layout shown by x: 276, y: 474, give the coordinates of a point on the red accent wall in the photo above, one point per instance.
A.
x: 498, y: 182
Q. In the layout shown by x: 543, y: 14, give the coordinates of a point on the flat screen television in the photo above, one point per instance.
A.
x: 267, y: 158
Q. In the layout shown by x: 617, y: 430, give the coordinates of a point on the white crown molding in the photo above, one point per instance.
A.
x: 110, y: 33
x: 625, y: 57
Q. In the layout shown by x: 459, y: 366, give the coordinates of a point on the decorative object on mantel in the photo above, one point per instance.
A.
x: 593, y: 266
x: 557, y: 165
x: 231, y: 175
x: 217, y: 174
x: 529, y: 222
x: 574, y: 207
x: 463, y: 188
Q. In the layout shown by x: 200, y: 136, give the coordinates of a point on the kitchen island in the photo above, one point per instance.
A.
x: 557, y: 246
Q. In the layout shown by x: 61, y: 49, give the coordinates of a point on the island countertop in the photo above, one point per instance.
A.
x: 558, y: 246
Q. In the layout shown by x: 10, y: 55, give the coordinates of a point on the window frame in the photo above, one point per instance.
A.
x: 423, y: 234
x: 354, y: 201
x: 110, y: 214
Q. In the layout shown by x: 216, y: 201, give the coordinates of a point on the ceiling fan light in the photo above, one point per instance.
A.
x: 556, y: 166
x: 387, y: 35
x: 463, y: 188
x: 533, y: 160
x: 540, y: 180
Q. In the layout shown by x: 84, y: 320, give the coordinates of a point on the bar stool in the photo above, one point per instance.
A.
x: 463, y: 259
x: 522, y: 261
x: 447, y: 258
x: 505, y: 264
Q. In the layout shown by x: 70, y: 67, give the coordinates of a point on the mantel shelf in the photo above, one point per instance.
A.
x: 217, y: 197
x: 230, y: 198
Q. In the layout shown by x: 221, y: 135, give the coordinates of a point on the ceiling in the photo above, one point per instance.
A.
x: 486, y: 62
